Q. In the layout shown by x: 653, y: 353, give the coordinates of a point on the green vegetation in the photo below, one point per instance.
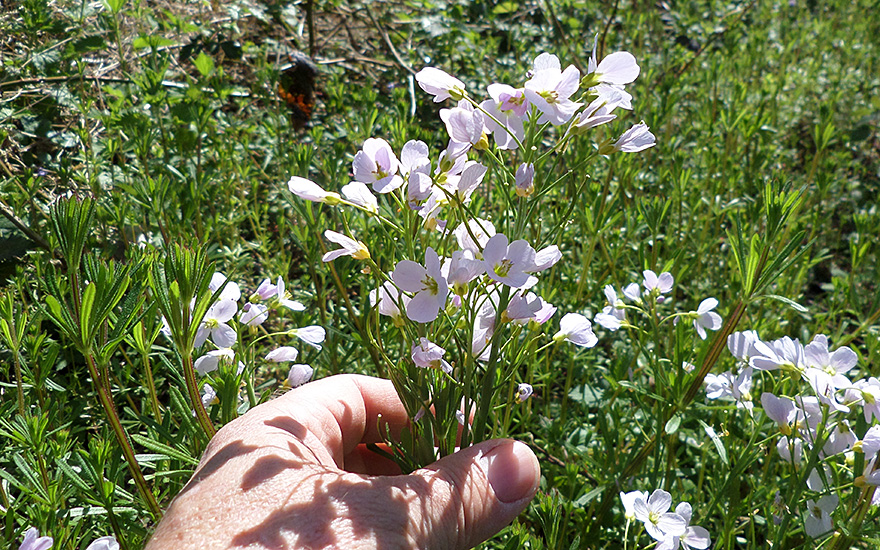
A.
x: 144, y: 146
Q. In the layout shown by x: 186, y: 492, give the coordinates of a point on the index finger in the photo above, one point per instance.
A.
x: 337, y: 413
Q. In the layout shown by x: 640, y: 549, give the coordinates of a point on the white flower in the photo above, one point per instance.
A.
x: 429, y: 355
x: 659, y: 523
x: 359, y: 194
x: 426, y: 282
x: 312, y: 335
x: 835, y: 365
x: 742, y: 344
x: 464, y: 124
x: 618, y: 68
x: 638, y: 138
x: 214, y: 325
x: 284, y: 297
x: 629, y: 500
x: 211, y: 360
x: 282, y: 354
x: 550, y: 89
x: 508, y: 107
x: 209, y: 396
x: 377, y: 165
x: 440, y: 84
x: 104, y: 543
x: 706, y: 318
x: 253, y: 315
x: 230, y: 292
x: 350, y: 247
x: 311, y: 191
x: 33, y: 541
x: 726, y: 386
x: 693, y: 537
x: 508, y: 264
x: 613, y: 314
x: 577, y: 329
x: 523, y: 392
x: 387, y: 297
x: 818, y: 522
x: 481, y: 229
x: 299, y: 374
x: 783, y: 352
x: 661, y: 284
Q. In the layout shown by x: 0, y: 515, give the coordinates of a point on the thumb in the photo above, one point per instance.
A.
x: 465, y: 498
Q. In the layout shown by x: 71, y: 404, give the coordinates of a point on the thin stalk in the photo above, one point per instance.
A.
x: 18, y: 384
x: 151, y: 388
x: 192, y: 388
x: 122, y: 439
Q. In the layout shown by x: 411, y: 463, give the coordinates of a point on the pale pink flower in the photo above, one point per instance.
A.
x: 359, y: 194
x: 312, y: 335
x: 477, y: 228
x: 386, y: 298
x: 523, y: 392
x: 638, y: 138
x: 440, y: 84
x: 550, y: 88
x: 33, y: 541
x: 375, y: 164
x: 819, y: 521
x: 299, y: 374
x: 311, y: 191
x: 706, y: 318
x: 211, y: 360
x: 214, y: 325
x: 427, y: 284
x: 104, y: 543
x: 658, y: 521
x: 525, y: 179
x: 618, y: 68
x: 576, y: 329
x: 282, y: 354
x: 507, y: 108
x: 350, y: 247
x: 429, y: 355
x: 507, y: 264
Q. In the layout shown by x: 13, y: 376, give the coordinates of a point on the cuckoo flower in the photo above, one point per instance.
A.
x: 577, y: 329
x: 550, y: 88
x: 429, y: 355
x: 376, y: 164
x: 311, y: 191
x: 440, y: 84
x: 506, y: 111
x: 426, y: 283
x: 508, y: 264
x: 350, y: 247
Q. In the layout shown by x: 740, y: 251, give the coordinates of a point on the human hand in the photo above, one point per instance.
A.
x: 295, y: 473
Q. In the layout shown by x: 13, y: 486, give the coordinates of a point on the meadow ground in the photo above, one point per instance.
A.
x: 146, y: 145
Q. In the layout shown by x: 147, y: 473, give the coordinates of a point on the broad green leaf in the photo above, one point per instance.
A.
x: 204, y: 64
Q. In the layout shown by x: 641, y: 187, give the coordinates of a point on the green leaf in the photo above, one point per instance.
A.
x: 85, y: 312
x: 788, y: 301
x: 719, y: 445
x: 204, y: 64
x: 115, y: 6
x: 161, y: 448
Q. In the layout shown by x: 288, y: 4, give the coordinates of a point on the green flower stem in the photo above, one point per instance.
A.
x: 122, y: 439
x: 487, y: 392
x: 192, y: 387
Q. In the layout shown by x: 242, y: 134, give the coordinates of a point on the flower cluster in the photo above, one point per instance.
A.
x: 466, y: 297
x: 613, y: 315
x: 229, y: 317
x: 815, y: 422
x: 672, y: 530
x: 33, y: 541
